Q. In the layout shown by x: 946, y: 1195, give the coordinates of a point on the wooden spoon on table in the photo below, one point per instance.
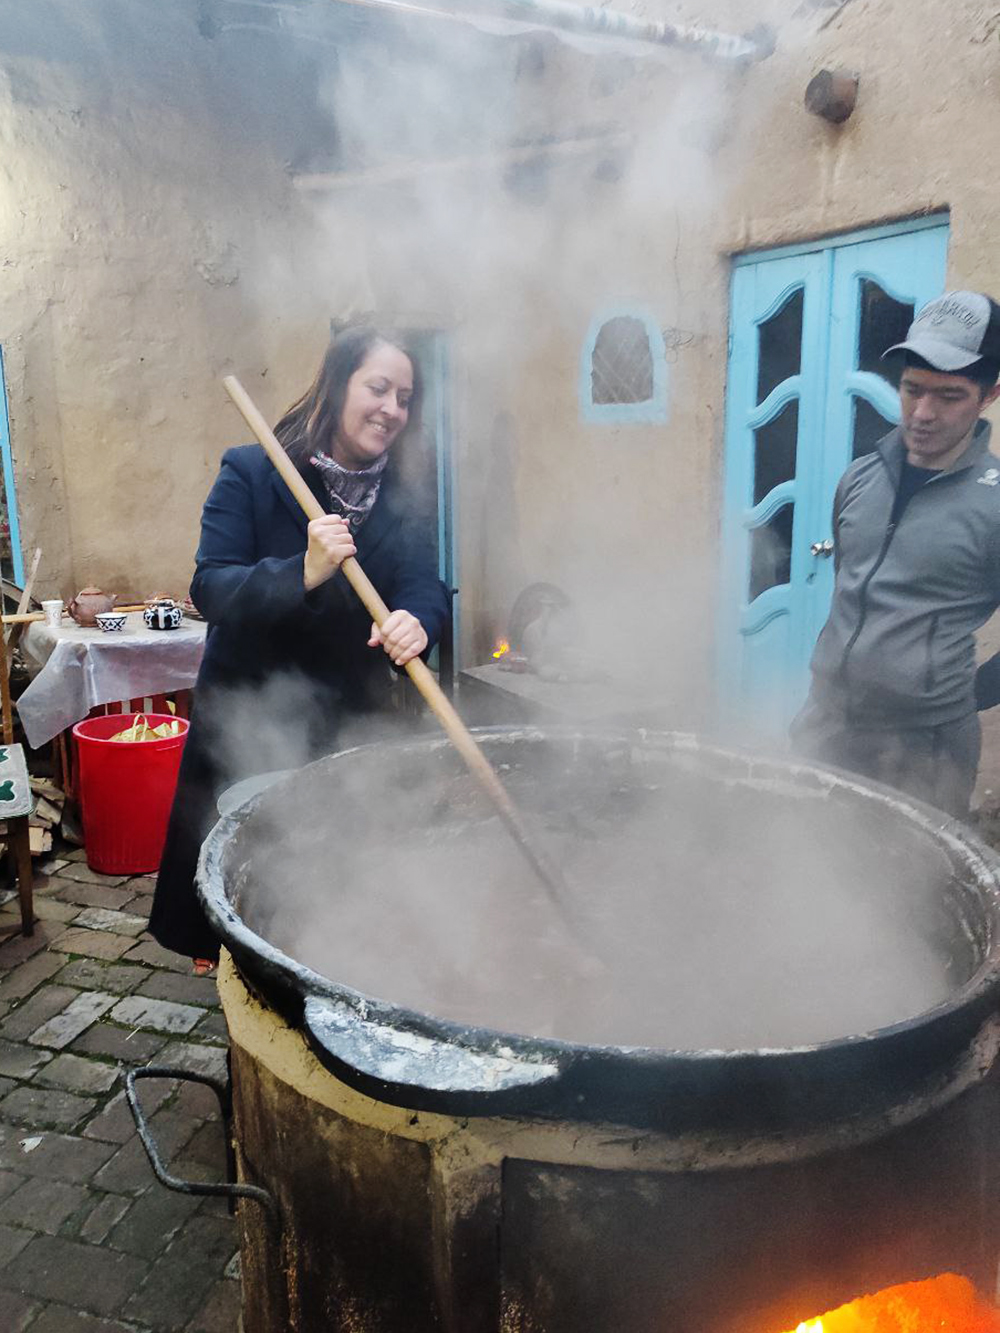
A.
x: 36, y: 617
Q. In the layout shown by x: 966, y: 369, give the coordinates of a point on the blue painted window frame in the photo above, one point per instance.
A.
x: 10, y: 490
x: 653, y: 409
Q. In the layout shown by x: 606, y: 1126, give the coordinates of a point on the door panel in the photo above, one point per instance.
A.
x: 807, y: 393
x: 11, y: 559
x: 426, y: 465
x: 780, y: 311
x: 877, y: 287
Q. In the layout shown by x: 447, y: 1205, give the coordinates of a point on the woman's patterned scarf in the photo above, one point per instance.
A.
x: 352, y: 494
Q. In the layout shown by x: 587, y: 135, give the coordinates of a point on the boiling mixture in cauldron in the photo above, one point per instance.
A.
x: 726, y: 912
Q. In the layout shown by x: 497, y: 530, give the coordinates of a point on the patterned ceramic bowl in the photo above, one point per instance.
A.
x: 111, y: 621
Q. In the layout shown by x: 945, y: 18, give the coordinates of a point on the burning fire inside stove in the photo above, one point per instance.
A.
x: 946, y: 1304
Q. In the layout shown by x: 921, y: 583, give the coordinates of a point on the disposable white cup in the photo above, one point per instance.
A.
x: 53, y: 613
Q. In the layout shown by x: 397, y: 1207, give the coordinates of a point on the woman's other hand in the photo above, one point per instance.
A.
x: 402, y: 636
x: 330, y: 543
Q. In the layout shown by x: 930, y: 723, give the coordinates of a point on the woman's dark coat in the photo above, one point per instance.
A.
x: 283, y: 668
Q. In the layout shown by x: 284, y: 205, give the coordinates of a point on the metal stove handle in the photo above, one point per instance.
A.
x: 409, y: 1059
x: 231, y: 1189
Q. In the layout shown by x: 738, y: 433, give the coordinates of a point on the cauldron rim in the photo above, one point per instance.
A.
x: 906, y: 1059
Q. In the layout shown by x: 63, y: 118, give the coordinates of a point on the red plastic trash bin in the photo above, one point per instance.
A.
x: 126, y: 791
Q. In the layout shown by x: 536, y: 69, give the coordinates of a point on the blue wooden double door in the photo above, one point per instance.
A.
x: 807, y: 393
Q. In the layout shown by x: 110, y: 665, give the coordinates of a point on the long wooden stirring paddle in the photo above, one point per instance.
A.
x: 417, y: 670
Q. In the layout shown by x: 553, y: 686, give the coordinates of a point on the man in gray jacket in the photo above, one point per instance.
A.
x: 916, y: 527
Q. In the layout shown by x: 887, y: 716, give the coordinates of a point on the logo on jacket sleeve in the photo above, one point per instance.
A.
x: 989, y: 478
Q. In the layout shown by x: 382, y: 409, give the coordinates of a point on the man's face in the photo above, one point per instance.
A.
x: 939, y: 411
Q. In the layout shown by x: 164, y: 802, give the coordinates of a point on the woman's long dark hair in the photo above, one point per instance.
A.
x: 311, y: 424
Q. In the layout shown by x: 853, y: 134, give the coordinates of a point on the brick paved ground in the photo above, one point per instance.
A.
x: 89, y: 1241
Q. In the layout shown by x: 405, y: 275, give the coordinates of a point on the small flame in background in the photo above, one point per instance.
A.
x: 502, y: 648
x: 946, y: 1304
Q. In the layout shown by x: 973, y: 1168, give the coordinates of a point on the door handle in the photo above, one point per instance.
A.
x: 822, y: 549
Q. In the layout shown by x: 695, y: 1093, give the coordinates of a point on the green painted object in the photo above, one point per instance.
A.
x: 15, y: 788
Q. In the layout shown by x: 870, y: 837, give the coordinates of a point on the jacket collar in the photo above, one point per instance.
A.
x: 893, y: 451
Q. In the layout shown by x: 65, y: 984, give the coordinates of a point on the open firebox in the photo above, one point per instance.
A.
x: 945, y: 1304
x: 540, y: 669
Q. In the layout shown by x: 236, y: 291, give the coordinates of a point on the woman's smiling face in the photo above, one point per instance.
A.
x: 376, y: 407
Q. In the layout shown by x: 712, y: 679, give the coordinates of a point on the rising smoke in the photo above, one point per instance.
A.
x: 724, y: 919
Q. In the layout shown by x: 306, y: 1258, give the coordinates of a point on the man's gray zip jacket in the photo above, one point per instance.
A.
x: 898, y: 649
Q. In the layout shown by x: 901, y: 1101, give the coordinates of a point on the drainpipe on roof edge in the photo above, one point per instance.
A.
x: 757, y: 44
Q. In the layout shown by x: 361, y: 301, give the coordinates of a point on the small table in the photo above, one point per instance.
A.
x: 81, y: 669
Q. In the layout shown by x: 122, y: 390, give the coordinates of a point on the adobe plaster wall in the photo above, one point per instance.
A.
x: 646, y: 500
x: 145, y: 199
x: 924, y: 137
x: 152, y: 241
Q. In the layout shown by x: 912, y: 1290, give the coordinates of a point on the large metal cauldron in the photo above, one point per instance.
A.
x: 433, y: 1175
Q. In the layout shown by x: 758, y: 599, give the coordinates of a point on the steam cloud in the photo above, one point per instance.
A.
x: 724, y: 923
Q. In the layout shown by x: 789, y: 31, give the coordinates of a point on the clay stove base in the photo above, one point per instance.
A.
x: 407, y: 1222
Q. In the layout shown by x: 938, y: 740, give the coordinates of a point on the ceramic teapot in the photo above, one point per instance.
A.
x: 89, y: 603
x: 164, y: 613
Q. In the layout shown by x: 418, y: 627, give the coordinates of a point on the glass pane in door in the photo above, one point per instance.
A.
x: 869, y: 427
x: 884, y: 322
x: 771, y: 552
x: 775, y: 449
x: 780, y: 345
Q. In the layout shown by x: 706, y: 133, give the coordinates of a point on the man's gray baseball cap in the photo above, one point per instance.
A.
x: 954, y: 331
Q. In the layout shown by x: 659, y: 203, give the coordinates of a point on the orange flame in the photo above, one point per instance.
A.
x: 502, y: 648
x: 946, y: 1302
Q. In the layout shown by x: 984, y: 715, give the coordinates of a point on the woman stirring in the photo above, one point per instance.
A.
x: 291, y: 653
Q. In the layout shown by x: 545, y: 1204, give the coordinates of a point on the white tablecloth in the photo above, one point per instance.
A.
x: 81, y: 668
